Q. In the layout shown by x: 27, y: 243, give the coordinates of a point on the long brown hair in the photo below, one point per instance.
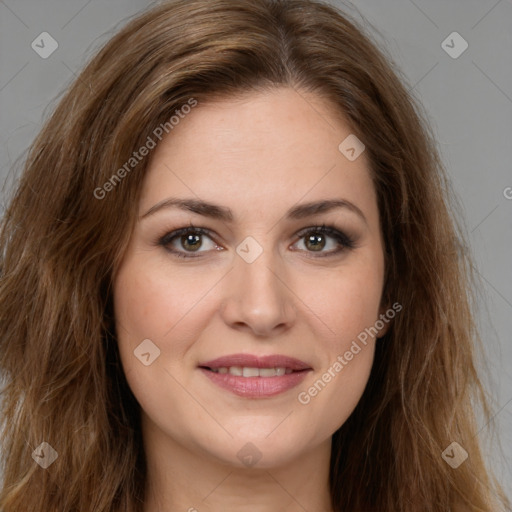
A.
x: 61, y: 243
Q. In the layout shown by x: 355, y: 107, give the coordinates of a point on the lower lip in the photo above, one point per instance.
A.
x: 256, y: 387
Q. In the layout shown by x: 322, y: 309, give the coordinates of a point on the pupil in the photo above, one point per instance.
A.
x: 311, y: 239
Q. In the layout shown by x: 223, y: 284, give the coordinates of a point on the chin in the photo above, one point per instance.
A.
x: 257, y: 451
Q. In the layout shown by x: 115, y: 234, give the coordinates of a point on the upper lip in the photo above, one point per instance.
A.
x: 253, y: 361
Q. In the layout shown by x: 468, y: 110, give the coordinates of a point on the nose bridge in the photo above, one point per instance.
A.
x: 256, y: 269
x: 259, y: 275
x: 257, y: 295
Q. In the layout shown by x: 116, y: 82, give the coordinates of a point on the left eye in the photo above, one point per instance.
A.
x: 315, y: 240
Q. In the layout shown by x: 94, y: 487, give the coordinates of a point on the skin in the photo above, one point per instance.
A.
x: 259, y: 156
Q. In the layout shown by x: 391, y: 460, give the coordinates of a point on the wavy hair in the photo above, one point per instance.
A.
x: 61, y: 245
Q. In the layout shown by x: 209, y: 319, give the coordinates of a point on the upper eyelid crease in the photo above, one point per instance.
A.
x: 225, y: 214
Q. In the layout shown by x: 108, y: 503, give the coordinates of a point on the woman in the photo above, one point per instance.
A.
x: 231, y: 281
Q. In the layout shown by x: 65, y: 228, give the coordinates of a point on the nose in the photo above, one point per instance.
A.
x: 257, y: 297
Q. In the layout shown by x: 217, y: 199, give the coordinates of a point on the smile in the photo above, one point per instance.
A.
x: 251, y: 376
x: 246, y: 371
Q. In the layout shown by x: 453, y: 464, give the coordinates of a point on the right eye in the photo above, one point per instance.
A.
x: 188, y: 238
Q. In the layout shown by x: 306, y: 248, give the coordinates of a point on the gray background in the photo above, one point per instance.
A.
x: 468, y: 102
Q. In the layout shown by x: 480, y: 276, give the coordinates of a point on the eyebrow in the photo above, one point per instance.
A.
x: 225, y: 214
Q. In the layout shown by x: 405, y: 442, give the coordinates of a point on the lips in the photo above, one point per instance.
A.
x: 251, y: 376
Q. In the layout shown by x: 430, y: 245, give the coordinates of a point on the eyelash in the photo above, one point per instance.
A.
x: 343, y: 240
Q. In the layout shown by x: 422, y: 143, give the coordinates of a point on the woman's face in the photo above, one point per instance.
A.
x: 258, y: 283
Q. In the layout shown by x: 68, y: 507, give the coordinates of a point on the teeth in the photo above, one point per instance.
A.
x: 268, y: 372
x: 251, y: 372
x: 245, y: 371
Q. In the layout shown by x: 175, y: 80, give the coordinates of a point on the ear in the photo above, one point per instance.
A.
x: 384, y: 321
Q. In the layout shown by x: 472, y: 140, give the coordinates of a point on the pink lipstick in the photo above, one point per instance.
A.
x: 251, y: 376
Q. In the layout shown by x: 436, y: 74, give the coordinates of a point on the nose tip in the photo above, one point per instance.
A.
x: 257, y: 299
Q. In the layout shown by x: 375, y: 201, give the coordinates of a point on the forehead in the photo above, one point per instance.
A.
x: 262, y: 151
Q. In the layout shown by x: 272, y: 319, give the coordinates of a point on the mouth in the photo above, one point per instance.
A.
x: 251, y: 376
x: 247, y: 371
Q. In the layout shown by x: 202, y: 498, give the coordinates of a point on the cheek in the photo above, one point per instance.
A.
x: 167, y: 306
x: 345, y: 302
x: 136, y: 301
x: 347, y: 305
x: 150, y: 304
x: 150, y: 301
x: 336, y: 388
